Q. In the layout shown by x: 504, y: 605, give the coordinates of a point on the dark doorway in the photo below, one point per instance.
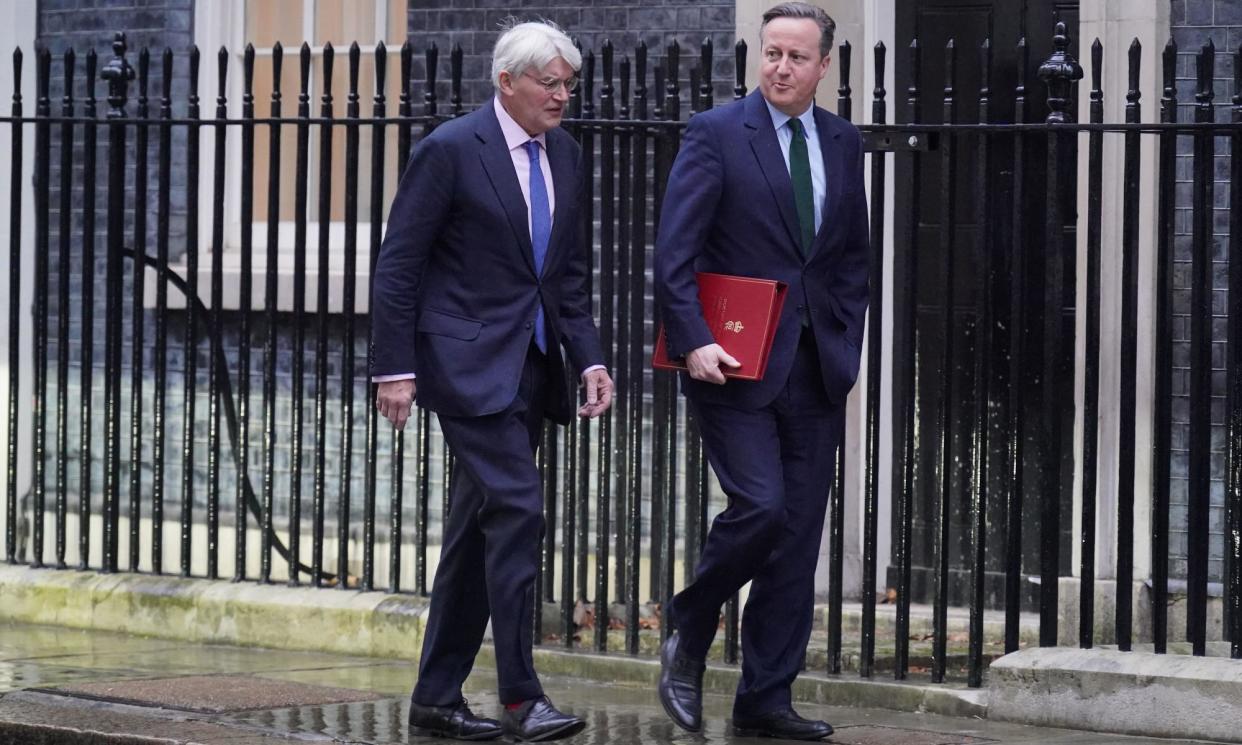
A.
x: 968, y: 23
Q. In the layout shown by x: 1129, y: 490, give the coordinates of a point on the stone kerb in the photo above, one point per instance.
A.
x: 1125, y: 692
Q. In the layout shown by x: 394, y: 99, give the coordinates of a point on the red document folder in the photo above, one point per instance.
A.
x: 742, y: 313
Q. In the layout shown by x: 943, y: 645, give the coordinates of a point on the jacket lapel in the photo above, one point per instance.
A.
x: 498, y: 164
x: 834, y: 170
x: 564, y: 183
x: 767, y: 151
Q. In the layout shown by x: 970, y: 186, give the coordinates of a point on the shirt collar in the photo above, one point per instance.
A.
x: 779, y: 117
x: 515, y: 136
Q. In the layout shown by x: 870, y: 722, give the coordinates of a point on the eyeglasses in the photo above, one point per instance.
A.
x: 552, y: 85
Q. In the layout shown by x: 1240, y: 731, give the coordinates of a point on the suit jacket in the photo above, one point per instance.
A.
x: 456, y: 289
x: 729, y: 208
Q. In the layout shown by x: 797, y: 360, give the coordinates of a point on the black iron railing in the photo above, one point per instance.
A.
x: 628, y: 497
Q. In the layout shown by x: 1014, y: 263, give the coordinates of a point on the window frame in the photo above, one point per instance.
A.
x: 222, y: 23
x: 20, y: 31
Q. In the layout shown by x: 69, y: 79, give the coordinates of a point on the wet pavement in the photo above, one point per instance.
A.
x: 65, y: 685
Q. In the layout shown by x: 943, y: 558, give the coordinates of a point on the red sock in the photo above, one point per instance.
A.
x: 511, y: 707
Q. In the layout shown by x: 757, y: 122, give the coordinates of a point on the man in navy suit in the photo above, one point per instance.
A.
x: 480, y: 281
x: 770, y: 186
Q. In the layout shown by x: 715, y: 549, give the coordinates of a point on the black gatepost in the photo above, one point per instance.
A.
x: 117, y: 73
x: 1059, y: 73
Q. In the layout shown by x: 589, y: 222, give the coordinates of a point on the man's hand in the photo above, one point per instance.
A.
x: 393, y: 400
x: 704, y: 363
x: 598, y: 394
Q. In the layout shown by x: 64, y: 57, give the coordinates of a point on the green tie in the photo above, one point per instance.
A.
x: 804, y: 195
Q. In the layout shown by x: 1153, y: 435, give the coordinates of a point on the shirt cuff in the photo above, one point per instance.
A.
x: 391, y: 378
x: 412, y: 376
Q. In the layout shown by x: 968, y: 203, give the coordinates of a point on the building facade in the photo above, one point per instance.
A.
x: 59, y: 25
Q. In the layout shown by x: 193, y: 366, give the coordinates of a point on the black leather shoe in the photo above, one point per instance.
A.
x: 537, y: 720
x: 784, y: 724
x: 456, y: 721
x: 681, y: 685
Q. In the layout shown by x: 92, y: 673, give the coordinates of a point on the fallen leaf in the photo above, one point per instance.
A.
x: 584, y: 615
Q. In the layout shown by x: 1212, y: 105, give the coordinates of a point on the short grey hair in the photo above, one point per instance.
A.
x: 827, y: 26
x: 531, y: 45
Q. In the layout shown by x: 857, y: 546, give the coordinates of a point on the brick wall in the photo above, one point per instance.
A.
x: 1194, y: 22
x: 626, y: 24
x: 83, y: 26
x: 90, y: 24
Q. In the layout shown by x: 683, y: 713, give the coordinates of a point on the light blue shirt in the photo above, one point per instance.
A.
x: 784, y: 135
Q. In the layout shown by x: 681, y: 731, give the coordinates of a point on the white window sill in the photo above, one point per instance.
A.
x: 231, y: 274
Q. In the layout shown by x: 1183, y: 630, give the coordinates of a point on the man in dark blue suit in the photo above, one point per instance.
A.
x: 480, y: 281
x: 770, y: 186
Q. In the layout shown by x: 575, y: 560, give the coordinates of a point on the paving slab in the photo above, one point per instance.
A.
x: 39, y: 719
x: 182, y: 660
x: 869, y: 734
x: 389, y: 679
x: 624, y: 712
x: 213, y: 694
x: 629, y: 715
x: 36, y: 641
x: 15, y: 676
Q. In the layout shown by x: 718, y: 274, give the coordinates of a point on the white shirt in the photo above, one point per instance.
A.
x: 819, y: 181
x: 516, y: 138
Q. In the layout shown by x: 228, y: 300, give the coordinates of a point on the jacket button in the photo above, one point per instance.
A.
x: 529, y: 324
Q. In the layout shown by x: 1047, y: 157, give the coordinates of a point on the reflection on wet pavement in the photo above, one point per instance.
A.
x: 616, y: 714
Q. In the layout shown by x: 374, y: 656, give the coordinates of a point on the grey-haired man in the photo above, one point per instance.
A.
x: 480, y: 282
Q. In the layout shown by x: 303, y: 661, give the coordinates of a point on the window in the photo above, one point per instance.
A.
x: 234, y: 23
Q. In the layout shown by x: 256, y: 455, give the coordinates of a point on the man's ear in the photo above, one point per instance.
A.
x: 505, y: 81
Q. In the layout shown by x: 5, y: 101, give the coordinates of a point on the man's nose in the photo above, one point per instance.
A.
x: 561, y: 94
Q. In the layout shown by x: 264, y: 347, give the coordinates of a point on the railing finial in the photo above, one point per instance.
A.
x: 1059, y: 72
x: 118, y: 72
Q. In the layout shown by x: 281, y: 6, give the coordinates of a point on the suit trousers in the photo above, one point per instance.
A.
x: 776, y: 466
x: 490, y: 553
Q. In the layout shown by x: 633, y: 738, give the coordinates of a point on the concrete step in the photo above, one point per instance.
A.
x: 922, y: 621
x: 920, y: 648
x: 1126, y: 692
